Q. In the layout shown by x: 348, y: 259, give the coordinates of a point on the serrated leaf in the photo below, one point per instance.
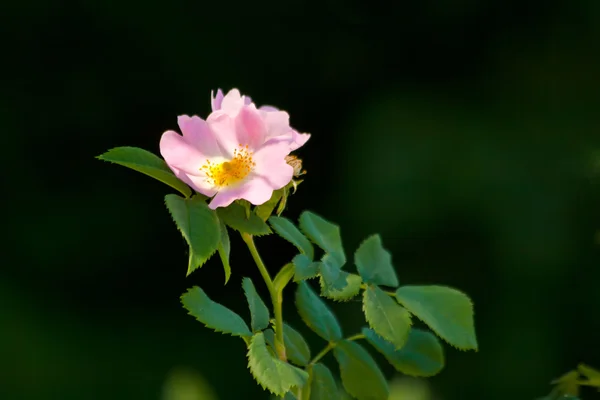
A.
x: 265, y: 210
x: 304, y: 268
x: 259, y: 313
x: 214, y: 315
x: 271, y: 373
x: 324, y: 234
x: 224, y: 250
x: 283, y: 277
x: 333, y: 276
x: 385, y: 316
x: 296, y: 348
x: 234, y: 216
x: 287, y: 230
x: 147, y: 163
x: 199, y: 226
x: 361, y: 376
x: 374, y: 263
x: 421, y: 355
x: 323, y: 386
x: 315, y: 313
x: 351, y: 288
x: 447, y: 311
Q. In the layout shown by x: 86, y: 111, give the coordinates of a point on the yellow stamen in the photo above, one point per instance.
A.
x: 230, y: 172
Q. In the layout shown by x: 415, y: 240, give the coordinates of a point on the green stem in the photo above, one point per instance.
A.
x: 331, y: 345
x: 276, y: 298
x: 323, y: 352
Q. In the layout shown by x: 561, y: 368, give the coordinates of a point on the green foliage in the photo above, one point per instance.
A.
x: 259, y: 313
x: 332, y: 275
x: 592, y: 376
x: 361, y: 376
x: 315, y: 313
x: 235, y: 216
x: 568, y: 386
x: 422, y: 355
x: 287, y: 230
x: 324, y: 234
x: 447, y: 311
x: 296, y: 348
x: 147, y: 163
x: 283, y: 277
x: 214, y: 315
x: 199, y: 226
x: 385, y: 316
x: 305, y: 268
x: 271, y: 373
x: 224, y: 250
x: 322, y: 383
x: 265, y: 210
x: 374, y: 263
x: 351, y: 289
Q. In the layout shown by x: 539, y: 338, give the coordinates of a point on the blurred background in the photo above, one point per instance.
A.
x: 463, y: 131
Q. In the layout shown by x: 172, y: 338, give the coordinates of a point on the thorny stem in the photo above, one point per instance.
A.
x: 276, y: 298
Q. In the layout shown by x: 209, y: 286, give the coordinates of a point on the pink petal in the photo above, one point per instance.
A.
x: 268, y: 108
x: 215, y: 101
x: 277, y: 123
x: 250, y: 127
x: 178, y: 153
x: 232, y: 102
x: 255, y: 189
x: 298, y: 140
x: 271, y: 164
x: 198, y: 134
x: 198, y: 183
x: 223, y: 128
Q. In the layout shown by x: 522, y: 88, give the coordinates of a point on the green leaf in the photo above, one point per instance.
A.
x: 361, y: 376
x: 296, y: 348
x: 592, y: 375
x: 422, y: 355
x: 199, y: 226
x: 304, y: 268
x: 265, y: 210
x: 390, y: 320
x: 325, y: 234
x: 447, y: 311
x: 234, y: 216
x: 224, y: 251
x: 568, y: 384
x: 351, y: 286
x: 316, y: 315
x: 212, y: 314
x: 333, y: 276
x: 147, y: 163
x: 283, y: 277
x: 259, y: 313
x: 374, y: 263
x: 323, y: 386
x: 270, y: 338
x: 271, y: 373
x: 287, y: 230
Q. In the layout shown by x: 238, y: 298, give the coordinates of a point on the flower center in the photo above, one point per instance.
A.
x: 230, y: 172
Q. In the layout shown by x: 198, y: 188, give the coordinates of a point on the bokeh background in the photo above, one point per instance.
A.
x: 463, y: 131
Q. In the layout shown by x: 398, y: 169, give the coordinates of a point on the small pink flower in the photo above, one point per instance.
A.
x: 233, y: 102
x: 239, y: 152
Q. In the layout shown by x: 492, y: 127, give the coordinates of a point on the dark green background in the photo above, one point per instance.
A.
x: 463, y: 131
